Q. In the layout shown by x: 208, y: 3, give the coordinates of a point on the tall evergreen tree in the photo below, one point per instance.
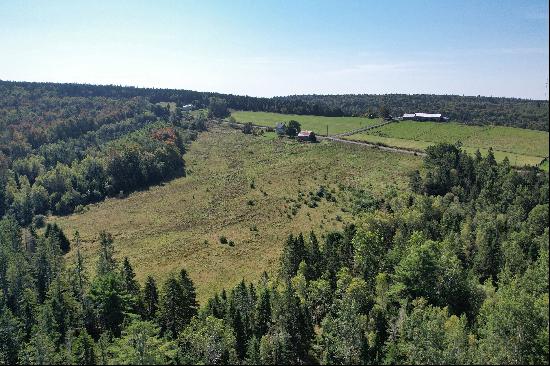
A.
x: 263, y: 313
x: 314, y: 259
x: 83, y: 349
x: 190, y: 295
x: 177, y: 304
x: 150, y: 299
x: 106, y: 263
x: 131, y: 286
x: 10, y: 337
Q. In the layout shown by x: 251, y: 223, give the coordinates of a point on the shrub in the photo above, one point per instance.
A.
x: 248, y: 128
x: 39, y: 221
x: 223, y: 239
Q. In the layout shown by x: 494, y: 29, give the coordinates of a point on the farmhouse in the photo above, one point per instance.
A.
x: 280, y: 128
x: 304, y: 135
x: 424, y: 117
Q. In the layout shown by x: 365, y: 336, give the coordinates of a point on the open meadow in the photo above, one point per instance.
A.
x: 317, y: 124
x: 522, y: 146
x: 252, y: 190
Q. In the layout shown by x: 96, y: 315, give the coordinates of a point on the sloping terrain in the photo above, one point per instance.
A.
x: 254, y: 190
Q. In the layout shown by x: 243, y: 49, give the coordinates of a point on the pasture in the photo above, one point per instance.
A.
x: 318, y: 124
x: 523, y: 147
x: 253, y: 190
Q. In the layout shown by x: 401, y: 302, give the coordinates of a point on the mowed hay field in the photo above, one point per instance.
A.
x: 240, y: 186
x: 317, y: 124
x: 522, y: 146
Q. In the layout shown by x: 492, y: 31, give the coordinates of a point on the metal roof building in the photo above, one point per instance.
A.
x: 424, y: 116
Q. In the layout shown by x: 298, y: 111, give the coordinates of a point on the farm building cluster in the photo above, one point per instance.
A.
x: 303, y: 135
x: 436, y: 117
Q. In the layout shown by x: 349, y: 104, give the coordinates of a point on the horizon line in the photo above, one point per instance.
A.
x: 271, y: 97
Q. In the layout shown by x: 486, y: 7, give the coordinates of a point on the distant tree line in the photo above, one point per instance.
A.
x: 515, y: 112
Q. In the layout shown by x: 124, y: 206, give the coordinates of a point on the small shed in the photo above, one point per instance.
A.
x: 424, y: 117
x: 280, y: 128
x: 304, y: 135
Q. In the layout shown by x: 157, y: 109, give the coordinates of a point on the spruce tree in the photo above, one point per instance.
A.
x: 263, y: 313
x: 10, y: 337
x: 293, y: 253
x: 106, y: 263
x: 314, y: 259
x: 240, y: 335
x: 177, y: 304
x: 83, y: 349
x: 190, y: 295
x: 131, y: 285
x: 80, y: 275
x: 150, y: 299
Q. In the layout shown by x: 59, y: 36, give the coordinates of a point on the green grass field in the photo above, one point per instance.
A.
x: 179, y: 223
x: 318, y: 124
x: 523, y: 147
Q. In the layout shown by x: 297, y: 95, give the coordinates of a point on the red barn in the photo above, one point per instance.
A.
x: 304, y: 135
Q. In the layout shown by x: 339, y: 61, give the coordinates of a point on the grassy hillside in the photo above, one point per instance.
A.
x: 520, y: 145
x: 251, y: 189
x: 318, y: 124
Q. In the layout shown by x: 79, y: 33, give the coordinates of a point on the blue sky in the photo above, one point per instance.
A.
x: 266, y: 48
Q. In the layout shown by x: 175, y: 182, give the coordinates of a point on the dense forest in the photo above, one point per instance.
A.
x: 478, y: 110
x: 59, y: 153
x: 452, y: 271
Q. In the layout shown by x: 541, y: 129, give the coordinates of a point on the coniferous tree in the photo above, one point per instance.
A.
x: 131, y: 286
x: 314, y: 259
x: 253, y: 352
x: 177, y: 304
x: 150, y: 299
x: 10, y: 337
x: 80, y: 275
x: 263, y: 313
x: 292, y: 319
x: 293, y: 254
x: 106, y: 263
x: 190, y: 295
x: 110, y: 302
x: 240, y: 335
x: 83, y: 349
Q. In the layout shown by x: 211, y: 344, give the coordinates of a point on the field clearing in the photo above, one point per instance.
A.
x: 318, y: 124
x: 523, y: 147
x: 240, y: 186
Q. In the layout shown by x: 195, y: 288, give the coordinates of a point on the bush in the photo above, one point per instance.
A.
x: 293, y: 128
x: 223, y: 239
x: 248, y: 128
x: 39, y: 221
